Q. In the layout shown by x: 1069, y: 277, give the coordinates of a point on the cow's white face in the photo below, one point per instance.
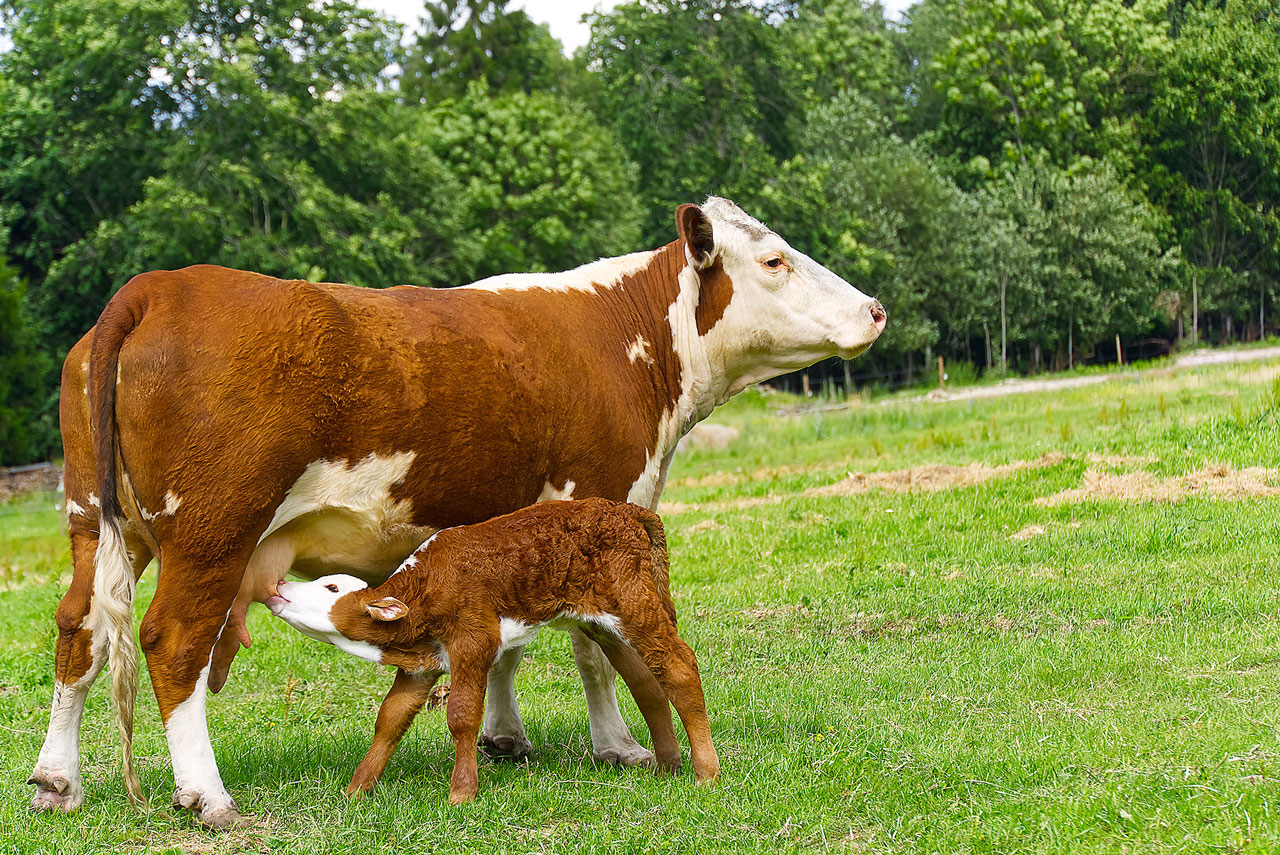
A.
x: 787, y: 310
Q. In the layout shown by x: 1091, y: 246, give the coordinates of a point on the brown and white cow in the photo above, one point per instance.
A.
x: 237, y: 427
x: 470, y: 592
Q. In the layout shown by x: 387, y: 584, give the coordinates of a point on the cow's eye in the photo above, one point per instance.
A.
x: 332, y: 588
x: 774, y: 262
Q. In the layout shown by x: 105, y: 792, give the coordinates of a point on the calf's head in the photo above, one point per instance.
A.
x: 764, y: 307
x: 339, y: 610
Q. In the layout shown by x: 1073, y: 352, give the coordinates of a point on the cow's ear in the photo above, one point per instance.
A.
x: 387, y: 608
x: 699, y: 239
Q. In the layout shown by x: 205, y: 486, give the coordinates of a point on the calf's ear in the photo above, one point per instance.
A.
x: 699, y: 238
x: 387, y: 608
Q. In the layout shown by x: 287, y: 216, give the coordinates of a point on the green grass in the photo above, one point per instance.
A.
x: 886, y: 672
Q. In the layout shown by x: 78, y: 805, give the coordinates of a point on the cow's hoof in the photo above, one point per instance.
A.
x: 515, y: 748
x: 55, y: 791
x: 218, y: 817
x: 630, y: 753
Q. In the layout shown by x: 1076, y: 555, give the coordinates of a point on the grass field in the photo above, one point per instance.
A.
x: 903, y: 652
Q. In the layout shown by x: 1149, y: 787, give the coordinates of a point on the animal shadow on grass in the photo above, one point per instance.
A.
x: 422, y: 764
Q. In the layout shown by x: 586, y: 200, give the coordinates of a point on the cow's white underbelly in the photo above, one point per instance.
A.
x: 339, y: 517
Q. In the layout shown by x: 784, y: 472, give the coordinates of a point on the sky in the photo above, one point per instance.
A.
x: 563, y: 16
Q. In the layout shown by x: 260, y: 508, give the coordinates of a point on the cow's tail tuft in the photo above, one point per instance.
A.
x: 113, y: 581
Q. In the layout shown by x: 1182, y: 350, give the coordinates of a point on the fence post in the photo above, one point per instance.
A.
x: 942, y: 374
x: 804, y: 384
x: 1119, y: 352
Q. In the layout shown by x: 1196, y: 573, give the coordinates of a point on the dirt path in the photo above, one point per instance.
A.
x: 1019, y: 386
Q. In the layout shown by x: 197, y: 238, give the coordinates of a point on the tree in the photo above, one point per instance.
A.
x: 691, y: 87
x: 1212, y: 153
x: 876, y: 211
x: 1019, y: 79
x: 482, y: 41
x: 81, y: 123
x: 836, y: 46
x: 542, y: 187
x: 25, y: 433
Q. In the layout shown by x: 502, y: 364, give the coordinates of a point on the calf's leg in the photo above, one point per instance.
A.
x: 408, y: 693
x: 649, y: 697
x: 467, y: 677
x: 611, y: 741
x: 674, y: 664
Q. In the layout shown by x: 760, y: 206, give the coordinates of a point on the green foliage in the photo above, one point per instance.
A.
x: 482, y: 41
x: 540, y: 185
x: 1214, y: 157
x: 24, y: 378
x: 691, y: 87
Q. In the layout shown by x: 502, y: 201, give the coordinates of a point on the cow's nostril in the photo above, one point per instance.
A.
x: 878, y: 315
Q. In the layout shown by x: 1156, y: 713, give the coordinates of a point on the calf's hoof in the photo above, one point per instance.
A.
x: 667, y: 765
x: 516, y: 748
x: 629, y: 753
x: 461, y: 797
x: 219, y: 817
x: 55, y: 791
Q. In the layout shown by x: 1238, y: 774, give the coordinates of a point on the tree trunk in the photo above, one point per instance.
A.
x: 1071, y: 357
x: 848, y: 379
x: 1004, y: 326
x: 987, y: 332
x: 1195, y: 310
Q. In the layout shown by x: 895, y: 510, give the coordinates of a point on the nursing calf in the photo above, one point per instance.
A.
x: 472, y: 592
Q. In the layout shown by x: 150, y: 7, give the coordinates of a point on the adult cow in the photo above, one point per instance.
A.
x: 237, y: 427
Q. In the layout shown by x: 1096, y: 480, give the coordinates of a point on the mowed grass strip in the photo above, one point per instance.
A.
x: 951, y: 669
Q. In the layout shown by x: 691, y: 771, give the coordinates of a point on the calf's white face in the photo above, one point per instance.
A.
x: 787, y: 310
x: 308, y: 608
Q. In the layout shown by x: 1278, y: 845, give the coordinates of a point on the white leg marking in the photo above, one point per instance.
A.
x: 195, y: 769
x: 503, y: 729
x: 58, y: 767
x: 611, y: 742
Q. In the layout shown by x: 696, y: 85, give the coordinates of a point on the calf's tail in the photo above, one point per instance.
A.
x: 658, y: 556
x: 113, y: 580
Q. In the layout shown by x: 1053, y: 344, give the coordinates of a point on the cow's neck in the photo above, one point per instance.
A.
x: 657, y: 312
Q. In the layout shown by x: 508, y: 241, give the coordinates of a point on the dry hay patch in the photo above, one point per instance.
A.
x: 931, y: 477
x: 1212, y: 480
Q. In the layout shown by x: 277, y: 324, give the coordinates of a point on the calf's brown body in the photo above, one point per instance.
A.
x: 596, y: 564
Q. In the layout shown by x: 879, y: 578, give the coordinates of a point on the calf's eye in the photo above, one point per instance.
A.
x: 333, y: 588
x: 773, y: 262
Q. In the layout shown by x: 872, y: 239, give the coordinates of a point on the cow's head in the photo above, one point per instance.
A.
x: 780, y: 310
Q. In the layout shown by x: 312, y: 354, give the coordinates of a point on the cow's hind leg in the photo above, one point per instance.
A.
x: 503, y: 734
x: 79, y: 656
x: 184, y: 621
x: 611, y: 741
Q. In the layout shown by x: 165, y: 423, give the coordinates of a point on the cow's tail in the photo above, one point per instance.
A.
x: 658, y: 557
x: 113, y: 580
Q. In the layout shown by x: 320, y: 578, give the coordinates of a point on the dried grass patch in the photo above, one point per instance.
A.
x: 1212, y: 480
x: 931, y: 477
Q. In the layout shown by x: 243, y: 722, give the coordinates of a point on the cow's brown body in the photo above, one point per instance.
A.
x: 468, y: 592
x: 237, y: 427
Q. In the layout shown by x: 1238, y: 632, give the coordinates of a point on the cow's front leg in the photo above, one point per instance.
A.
x: 178, y: 635
x: 611, y: 741
x: 503, y: 735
